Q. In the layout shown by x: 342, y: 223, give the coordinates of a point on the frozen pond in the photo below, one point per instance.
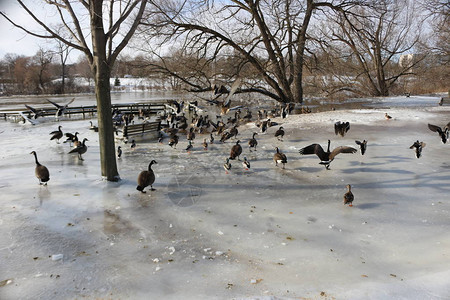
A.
x: 265, y: 233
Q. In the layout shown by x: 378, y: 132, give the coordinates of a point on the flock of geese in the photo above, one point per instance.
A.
x: 202, y: 125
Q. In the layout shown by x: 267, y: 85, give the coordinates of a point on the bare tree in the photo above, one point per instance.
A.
x: 106, y: 46
x: 268, y: 37
x: 42, y: 61
x: 63, y: 51
x: 373, y: 41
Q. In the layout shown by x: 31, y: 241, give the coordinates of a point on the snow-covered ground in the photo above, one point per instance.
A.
x: 266, y: 233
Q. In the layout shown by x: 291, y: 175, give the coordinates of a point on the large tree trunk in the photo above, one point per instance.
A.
x: 102, y: 72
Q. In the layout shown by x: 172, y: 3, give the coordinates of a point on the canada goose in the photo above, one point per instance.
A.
x: 146, y: 178
x: 211, y: 138
x: 60, y: 109
x: 418, y: 146
x: 234, y: 131
x: 57, y: 134
x: 40, y: 171
x: 279, y: 158
x: 189, y: 147
x: 388, y: 117
x: 246, y: 163
x: 227, y: 165
x: 443, y: 132
x: 71, y: 138
x: 362, y: 146
x: 205, y: 145
x: 348, y: 197
x: 264, y: 126
x: 81, y: 149
x: 341, y: 128
x: 252, y: 143
x: 93, y: 127
x: 236, y: 150
x: 119, y: 152
x: 279, y: 134
x: 160, y: 137
x: 133, y: 144
x: 325, y: 157
x: 191, y: 134
x: 173, y: 141
x: 36, y: 112
x: 441, y: 101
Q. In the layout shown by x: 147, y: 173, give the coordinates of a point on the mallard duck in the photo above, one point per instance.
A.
x: 236, y: 151
x: 41, y: 171
x: 189, y: 146
x: 252, y: 143
x: 57, y: 134
x: 119, y: 152
x: 279, y: 134
x: 443, y: 132
x: 191, y: 134
x: 388, y: 117
x: 279, y: 157
x: 362, y: 146
x: 173, y: 141
x: 246, y: 163
x: 81, y: 149
x: 418, y: 146
x: 348, y: 197
x: 146, y: 178
x: 325, y: 157
x: 341, y: 128
x: 205, y: 145
x: 227, y: 165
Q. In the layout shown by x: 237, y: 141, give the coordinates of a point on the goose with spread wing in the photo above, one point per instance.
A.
x: 61, y: 109
x: 326, y: 157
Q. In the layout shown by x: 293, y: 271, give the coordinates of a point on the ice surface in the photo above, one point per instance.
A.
x: 265, y: 233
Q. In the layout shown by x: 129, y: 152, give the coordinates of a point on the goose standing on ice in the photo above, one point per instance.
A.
x: 57, y: 134
x: 279, y: 134
x: 252, y: 143
x: 279, y: 158
x: 236, y: 151
x: 41, y: 171
x: 119, y: 152
x: 146, y: 178
x: 81, y: 149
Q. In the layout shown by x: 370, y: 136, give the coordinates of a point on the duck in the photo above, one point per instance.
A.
x: 41, y: 171
x: 418, y: 146
x: 189, y: 146
x: 325, y: 157
x: 348, y: 196
x: 173, y: 141
x: 388, y: 117
x: 227, y: 165
x: 279, y: 134
x: 71, y: 138
x: 119, y: 152
x: 252, y: 143
x: 57, y: 134
x: 205, y: 144
x: 341, y: 128
x: 246, y: 164
x: 191, y: 134
x: 146, y: 178
x: 211, y: 138
x: 60, y: 109
x: 81, y: 149
x: 279, y: 157
x: 93, y: 127
x: 133, y: 144
x: 236, y: 151
x: 362, y: 146
x: 443, y: 132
